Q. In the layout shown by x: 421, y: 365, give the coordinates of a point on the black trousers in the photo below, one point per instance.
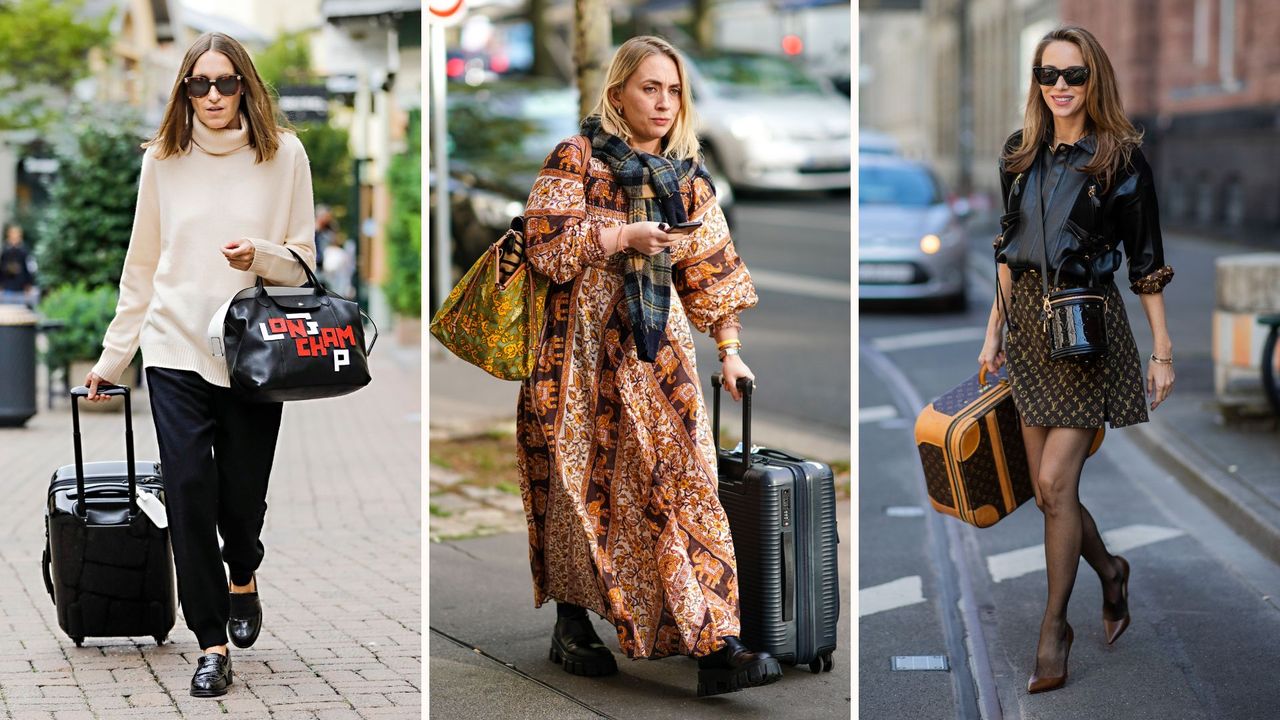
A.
x: 215, y: 453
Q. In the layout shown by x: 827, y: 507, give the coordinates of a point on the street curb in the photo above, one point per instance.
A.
x: 1253, y: 516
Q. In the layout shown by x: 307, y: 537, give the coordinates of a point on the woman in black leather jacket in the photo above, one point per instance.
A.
x: 1078, y: 194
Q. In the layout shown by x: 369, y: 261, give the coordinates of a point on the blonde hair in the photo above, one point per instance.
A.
x: 1116, y: 137
x: 681, y: 142
x: 261, y: 116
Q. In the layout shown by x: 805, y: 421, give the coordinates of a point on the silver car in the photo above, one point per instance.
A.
x: 767, y: 125
x: 911, y: 244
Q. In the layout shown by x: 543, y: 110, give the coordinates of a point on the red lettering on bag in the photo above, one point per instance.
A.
x: 297, y: 327
x: 317, y: 346
x: 346, y: 336
x: 330, y: 337
x: 303, y: 351
x: 277, y: 325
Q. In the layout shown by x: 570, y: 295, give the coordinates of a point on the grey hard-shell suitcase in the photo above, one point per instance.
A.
x: 107, y: 566
x: 782, y: 513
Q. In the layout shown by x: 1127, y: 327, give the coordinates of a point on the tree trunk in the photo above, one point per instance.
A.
x: 542, y: 64
x: 703, y: 29
x: 591, y: 37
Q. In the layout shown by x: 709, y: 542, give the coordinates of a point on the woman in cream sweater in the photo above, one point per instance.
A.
x: 224, y: 195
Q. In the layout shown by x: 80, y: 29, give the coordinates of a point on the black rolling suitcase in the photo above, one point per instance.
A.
x: 782, y: 513
x: 107, y: 565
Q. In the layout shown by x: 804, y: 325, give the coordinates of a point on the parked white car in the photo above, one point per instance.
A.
x: 767, y: 125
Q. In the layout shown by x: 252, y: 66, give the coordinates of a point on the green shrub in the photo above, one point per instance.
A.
x: 86, y: 313
x: 404, y: 234
x: 327, y: 150
x: 84, y: 233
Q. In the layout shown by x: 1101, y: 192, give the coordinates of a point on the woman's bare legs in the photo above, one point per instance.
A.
x: 1056, y: 457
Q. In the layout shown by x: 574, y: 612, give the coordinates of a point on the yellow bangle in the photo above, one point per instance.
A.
x: 731, y: 341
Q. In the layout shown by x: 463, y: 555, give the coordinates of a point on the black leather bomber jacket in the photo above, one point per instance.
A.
x: 1086, y: 227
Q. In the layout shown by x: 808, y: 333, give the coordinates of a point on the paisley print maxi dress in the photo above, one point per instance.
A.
x: 617, y: 463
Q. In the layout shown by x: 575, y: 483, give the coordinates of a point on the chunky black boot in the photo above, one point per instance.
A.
x: 576, y: 647
x: 734, y: 667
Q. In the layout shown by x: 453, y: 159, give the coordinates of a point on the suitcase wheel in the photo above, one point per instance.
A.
x: 815, y: 665
x: 79, y: 641
x: 160, y: 639
x: 828, y: 662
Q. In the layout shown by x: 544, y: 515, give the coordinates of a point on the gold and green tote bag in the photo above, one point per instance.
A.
x: 493, y: 316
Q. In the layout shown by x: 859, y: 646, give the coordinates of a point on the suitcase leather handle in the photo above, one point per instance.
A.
x: 80, y: 391
x: 745, y: 386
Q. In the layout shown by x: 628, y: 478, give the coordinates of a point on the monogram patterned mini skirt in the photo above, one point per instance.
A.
x: 1072, y: 393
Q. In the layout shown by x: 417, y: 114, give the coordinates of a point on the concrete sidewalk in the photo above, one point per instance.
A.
x: 488, y: 652
x: 340, y: 583
x: 488, y: 645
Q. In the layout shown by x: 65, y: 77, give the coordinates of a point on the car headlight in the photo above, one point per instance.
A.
x: 494, y: 210
x: 930, y: 244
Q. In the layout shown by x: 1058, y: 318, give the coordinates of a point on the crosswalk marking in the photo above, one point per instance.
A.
x: 891, y: 595
x: 876, y: 413
x: 1023, y: 561
x: 930, y: 338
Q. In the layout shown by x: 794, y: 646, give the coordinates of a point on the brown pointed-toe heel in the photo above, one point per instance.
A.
x: 1115, y: 628
x: 1039, y: 684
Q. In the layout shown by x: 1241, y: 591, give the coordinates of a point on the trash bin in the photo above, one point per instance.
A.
x: 17, y: 365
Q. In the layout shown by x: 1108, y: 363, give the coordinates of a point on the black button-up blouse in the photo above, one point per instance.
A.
x: 1084, y: 226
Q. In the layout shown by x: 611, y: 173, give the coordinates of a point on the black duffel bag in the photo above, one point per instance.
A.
x: 292, y: 343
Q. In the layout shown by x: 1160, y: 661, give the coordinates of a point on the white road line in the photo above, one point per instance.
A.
x: 792, y: 219
x: 1016, y: 563
x: 876, y: 413
x: 929, y: 338
x: 890, y: 596
x: 802, y: 285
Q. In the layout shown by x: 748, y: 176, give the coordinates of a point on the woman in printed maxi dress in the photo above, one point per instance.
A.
x: 617, y: 462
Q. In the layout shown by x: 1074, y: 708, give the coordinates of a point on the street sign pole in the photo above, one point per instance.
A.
x: 440, y: 14
x: 442, y: 276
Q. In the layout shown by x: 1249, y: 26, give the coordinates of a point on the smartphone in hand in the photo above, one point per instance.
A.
x: 682, y: 228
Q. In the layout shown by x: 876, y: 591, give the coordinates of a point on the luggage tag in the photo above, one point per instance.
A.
x: 153, y: 508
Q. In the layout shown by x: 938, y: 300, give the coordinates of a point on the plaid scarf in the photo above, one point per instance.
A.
x: 652, y: 183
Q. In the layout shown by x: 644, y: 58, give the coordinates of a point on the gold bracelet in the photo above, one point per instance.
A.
x: 731, y: 341
x: 1160, y: 360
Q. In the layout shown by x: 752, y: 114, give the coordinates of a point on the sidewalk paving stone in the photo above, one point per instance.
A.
x: 341, y: 581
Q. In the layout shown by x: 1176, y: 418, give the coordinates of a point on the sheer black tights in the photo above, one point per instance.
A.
x: 1056, y: 457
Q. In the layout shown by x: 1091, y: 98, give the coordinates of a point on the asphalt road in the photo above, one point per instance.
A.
x: 1205, y: 619
x: 797, y: 340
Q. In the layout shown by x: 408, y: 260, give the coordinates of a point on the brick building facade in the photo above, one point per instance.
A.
x: 1202, y: 77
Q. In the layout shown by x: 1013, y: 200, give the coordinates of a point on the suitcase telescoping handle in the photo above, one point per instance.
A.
x: 80, y: 391
x: 745, y: 386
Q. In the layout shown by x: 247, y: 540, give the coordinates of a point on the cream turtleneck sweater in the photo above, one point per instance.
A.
x: 175, y: 275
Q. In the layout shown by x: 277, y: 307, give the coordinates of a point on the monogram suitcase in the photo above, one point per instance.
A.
x: 107, y: 565
x: 782, y: 513
x: 970, y: 443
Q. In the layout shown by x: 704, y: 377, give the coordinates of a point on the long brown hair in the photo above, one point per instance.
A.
x: 257, y: 106
x: 1104, y: 113
x: 681, y: 142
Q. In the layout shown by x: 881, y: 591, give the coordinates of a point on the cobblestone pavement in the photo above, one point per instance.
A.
x: 340, y: 585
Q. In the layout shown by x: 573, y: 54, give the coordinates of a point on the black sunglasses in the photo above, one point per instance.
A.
x: 1048, y: 74
x: 198, y: 85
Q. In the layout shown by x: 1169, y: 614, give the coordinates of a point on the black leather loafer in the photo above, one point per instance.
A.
x: 576, y: 648
x: 734, y: 667
x: 213, y: 676
x: 245, y: 621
